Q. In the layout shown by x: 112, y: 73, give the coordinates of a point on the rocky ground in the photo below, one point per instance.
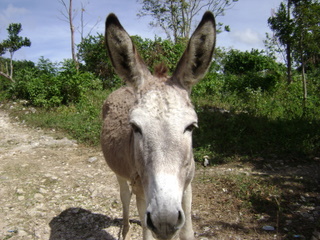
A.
x: 53, y: 188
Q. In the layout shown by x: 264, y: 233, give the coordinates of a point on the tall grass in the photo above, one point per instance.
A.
x: 81, y: 121
x: 256, y: 122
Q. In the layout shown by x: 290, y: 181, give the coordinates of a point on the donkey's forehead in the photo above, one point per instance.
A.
x: 164, y: 100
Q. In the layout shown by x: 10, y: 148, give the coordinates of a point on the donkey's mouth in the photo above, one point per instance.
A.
x: 165, y: 236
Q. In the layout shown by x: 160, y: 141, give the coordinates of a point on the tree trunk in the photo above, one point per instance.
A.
x: 11, y: 65
x: 305, y: 91
x: 82, y: 26
x: 289, y: 75
x: 303, y: 75
x: 174, y: 22
x: 72, y: 34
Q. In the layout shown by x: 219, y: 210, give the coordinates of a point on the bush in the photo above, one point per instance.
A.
x: 251, y: 70
x: 159, y: 51
x: 47, y: 87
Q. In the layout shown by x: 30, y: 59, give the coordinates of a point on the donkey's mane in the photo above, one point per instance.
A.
x: 161, y: 70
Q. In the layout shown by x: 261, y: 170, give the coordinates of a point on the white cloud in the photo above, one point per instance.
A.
x: 9, y: 13
x: 247, y: 37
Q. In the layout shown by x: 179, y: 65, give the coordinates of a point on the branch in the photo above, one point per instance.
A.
x: 6, y: 76
x: 98, y: 21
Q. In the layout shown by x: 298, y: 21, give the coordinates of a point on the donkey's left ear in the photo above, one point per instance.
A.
x: 123, y: 54
x: 196, y: 59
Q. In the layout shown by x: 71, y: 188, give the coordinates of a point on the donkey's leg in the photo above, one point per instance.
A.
x: 125, y: 195
x: 142, y: 207
x: 186, y: 232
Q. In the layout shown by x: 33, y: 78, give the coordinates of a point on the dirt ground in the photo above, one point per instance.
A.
x: 53, y: 188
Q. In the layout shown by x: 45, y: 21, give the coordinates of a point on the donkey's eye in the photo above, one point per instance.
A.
x: 191, y: 127
x: 135, y: 128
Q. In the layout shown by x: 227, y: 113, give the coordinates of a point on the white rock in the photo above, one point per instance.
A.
x: 92, y: 159
x: 268, y: 228
x: 43, y: 191
x: 21, y: 198
x: 20, y: 191
x: 22, y: 233
x: 38, y: 196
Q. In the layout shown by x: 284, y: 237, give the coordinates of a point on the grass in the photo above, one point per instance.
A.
x: 242, y: 133
x: 81, y: 121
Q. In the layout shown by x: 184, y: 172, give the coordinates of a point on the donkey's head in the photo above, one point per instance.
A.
x: 162, y: 120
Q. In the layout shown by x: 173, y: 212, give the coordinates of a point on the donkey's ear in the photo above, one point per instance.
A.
x: 196, y: 59
x: 123, y: 54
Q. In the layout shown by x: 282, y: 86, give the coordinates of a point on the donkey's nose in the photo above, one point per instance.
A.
x: 165, y: 225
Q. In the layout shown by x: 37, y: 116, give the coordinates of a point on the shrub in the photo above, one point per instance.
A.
x: 251, y: 70
x: 45, y: 88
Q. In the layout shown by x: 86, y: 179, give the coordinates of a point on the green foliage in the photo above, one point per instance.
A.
x: 159, y: 51
x: 48, y: 86
x: 45, y: 66
x: 211, y: 85
x: 306, y: 16
x: 5, y: 83
x: 93, y: 53
x: 223, y: 133
x: 282, y: 24
x: 296, y: 24
x: 250, y: 70
x: 81, y: 120
x: 243, y: 112
x: 15, y: 42
x: 12, y: 44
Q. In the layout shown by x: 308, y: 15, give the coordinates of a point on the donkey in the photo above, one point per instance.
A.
x: 147, y: 128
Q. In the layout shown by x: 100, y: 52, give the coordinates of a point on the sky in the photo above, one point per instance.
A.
x: 44, y: 24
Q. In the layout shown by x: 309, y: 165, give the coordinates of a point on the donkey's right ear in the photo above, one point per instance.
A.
x: 123, y: 54
x: 196, y: 59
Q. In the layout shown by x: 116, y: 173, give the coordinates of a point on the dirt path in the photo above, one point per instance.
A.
x: 53, y: 188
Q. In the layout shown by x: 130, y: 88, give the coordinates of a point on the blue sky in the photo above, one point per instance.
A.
x: 44, y: 25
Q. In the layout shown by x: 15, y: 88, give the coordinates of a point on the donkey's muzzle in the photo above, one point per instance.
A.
x: 165, y: 225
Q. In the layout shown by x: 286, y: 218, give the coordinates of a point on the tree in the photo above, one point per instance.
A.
x: 176, y: 16
x: 274, y: 48
x: 92, y: 52
x: 307, y: 33
x: 69, y: 15
x: 12, y: 44
x: 282, y: 25
x: 297, y: 26
x: 84, y: 24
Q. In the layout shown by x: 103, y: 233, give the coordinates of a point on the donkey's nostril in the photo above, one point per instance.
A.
x: 150, y: 224
x: 181, y: 219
